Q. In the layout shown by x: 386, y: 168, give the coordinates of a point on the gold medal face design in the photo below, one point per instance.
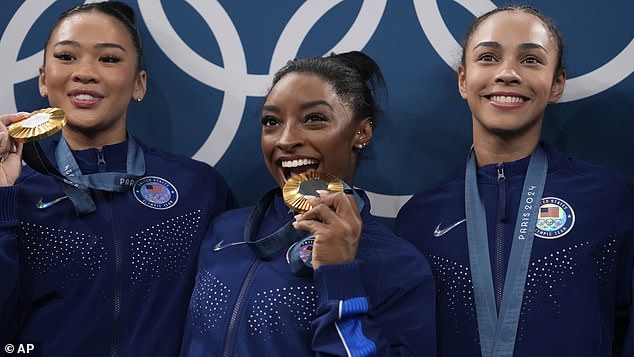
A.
x: 308, y: 183
x: 37, y: 125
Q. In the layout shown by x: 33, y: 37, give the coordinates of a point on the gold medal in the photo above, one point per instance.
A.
x: 308, y: 183
x: 37, y: 125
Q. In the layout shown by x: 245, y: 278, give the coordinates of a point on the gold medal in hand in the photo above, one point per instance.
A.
x: 307, y: 184
x: 37, y: 125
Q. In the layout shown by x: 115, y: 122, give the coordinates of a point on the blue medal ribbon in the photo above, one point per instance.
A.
x: 498, y: 333
x: 267, y: 247
x: 76, y: 185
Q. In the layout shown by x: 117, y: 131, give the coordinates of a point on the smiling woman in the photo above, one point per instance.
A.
x: 98, y: 237
x: 545, y: 237
x: 256, y: 293
x: 92, y: 68
x: 298, y: 130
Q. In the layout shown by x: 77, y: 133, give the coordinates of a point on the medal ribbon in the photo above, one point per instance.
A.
x: 74, y: 184
x: 266, y: 247
x: 498, y: 334
x: 78, y: 187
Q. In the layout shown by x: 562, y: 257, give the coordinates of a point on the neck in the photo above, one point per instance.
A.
x: 83, y: 141
x: 495, y: 150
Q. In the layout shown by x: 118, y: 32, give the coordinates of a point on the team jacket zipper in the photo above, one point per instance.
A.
x: 499, y: 236
x: 118, y: 274
x: 233, y: 322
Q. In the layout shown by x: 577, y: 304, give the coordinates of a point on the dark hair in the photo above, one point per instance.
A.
x: 554, y: 33
x: 116, y: 9
x: 355, y: 77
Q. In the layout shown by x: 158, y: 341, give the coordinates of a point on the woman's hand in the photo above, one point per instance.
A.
x: 10, y: 151
x: 336, y: 224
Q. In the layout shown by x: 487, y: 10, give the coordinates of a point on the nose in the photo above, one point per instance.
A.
x: 508, y: 74
x: 85, y: 72
x: 290, y: 138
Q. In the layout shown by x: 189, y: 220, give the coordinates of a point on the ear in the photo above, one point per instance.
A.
x: 557, y: 89
x: 140, y: 86
x: 42, y: 82
x: 462, y: 81
x: 363, y: 136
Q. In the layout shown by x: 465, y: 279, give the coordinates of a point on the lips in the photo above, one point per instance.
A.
x: 507, y: 99
x: 84, y: 99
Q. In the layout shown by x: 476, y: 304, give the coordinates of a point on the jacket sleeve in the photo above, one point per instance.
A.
x: 397, y: 319
x: 9, y: 268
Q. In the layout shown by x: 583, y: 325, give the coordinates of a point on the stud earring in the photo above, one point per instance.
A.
x: 44, y: 94
x: 139, y: 99
x: 360, y: 146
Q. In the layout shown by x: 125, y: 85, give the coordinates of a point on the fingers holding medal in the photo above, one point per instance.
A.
x: 37, y: 125
x: 327, y: 212
x: 10, y: 151
x: 16, y: 129
x: 6, y: 144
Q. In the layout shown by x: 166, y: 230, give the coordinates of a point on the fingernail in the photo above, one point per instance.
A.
x: 310, y: 197
x: 322, y: 192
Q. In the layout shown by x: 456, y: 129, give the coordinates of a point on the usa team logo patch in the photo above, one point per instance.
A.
x: 556, y: 218
x: 155, y: 192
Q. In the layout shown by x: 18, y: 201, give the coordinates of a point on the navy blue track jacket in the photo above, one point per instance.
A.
x: 380, y: 304
x: 578, y: 291
x: 115, y: 282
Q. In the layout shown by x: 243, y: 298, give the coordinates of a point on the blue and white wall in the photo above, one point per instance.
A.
x: 210, y: 62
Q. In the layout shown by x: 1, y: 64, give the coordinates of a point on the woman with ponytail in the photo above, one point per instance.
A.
x: 313, y: 274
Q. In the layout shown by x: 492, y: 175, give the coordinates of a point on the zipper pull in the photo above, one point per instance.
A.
x: 500, y: 169
x: 101, y: 161
x: 502, y: 207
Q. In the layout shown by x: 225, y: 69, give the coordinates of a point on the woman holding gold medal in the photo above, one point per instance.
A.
x: 307, y: 271
x: 100, y: 235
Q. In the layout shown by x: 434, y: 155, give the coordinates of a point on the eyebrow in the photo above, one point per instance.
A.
x: 314, y: 103
x: 304, y: 106
x: 99, y: 45
x: 521, y: 46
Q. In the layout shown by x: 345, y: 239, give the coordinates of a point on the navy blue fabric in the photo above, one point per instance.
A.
x: 578, y: 290
x: 245, y: 306
x: 266, y: 247
x: 113, y: 282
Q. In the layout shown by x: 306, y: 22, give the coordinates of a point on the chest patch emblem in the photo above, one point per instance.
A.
x: 155, y: 192
x: 556, y: 218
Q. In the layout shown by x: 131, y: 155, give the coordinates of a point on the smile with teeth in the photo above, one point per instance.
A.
x: 507, y: 99
x: 298, y: 163
x: 84, y: 97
